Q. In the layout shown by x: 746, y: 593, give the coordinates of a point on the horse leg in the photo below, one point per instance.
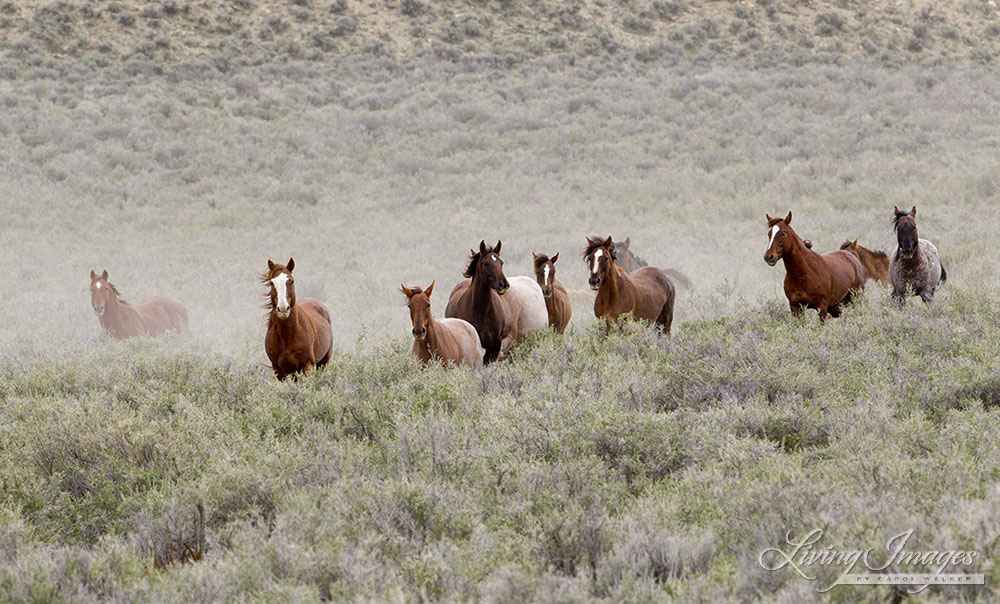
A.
x: 666, y: 318
x: 491, y: 354
x: 796, y: 309
x: 927, y: 295
x: 835, y: 310
x: 898, y: 296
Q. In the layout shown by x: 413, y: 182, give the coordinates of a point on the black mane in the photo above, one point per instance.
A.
x: 594, y: 243
x: 540, y: 259
x: 470, y: 270
x: 895, y: 219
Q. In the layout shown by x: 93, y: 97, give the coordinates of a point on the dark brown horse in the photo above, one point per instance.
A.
x: 446, y: 341
x: 646, y: 293
x: 876, y: 262
x: 299, y: 337
x: 478, y: 300
x: 823, y: 282
x: 556, y: 299
x: 151, y: 317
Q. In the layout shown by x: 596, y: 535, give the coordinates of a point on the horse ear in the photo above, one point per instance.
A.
x: 429, y: 289
x: 496, y: 249
x: 406, y: 291
x: 895, y: 209
x: 913, y: 212
x: 854, y: 245
x: 788, y: 219
x: 270, y: 264
x: 482, y: 246
x: 769, y: 219
x: 93, y: 275
x: 104, y: 275
x: 291, y: 264
x: 608, y: 243
x: 554, y: 258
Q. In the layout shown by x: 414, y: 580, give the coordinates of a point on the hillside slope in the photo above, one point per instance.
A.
x: 496, y: 31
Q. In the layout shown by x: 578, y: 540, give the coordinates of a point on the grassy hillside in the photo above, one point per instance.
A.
x: 146, y: 35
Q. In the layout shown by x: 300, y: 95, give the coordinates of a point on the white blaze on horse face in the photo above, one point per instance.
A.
x: 281, y: 289
x: 545, y: 276
x: 774, y: 233
x: 593, y: 268
x: 494, y: 257
x: 98, y: 286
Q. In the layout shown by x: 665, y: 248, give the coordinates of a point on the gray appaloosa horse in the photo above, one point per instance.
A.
x: 915, y: 264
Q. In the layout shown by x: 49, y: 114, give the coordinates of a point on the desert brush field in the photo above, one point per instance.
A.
x: 580, y: 468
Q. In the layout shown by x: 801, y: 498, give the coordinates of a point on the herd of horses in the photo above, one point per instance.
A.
x: 487, y: 314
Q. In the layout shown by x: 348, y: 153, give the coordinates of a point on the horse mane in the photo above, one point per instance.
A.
x: 638, y: 260
x: 540, y: 259
x: 895, y: 219
x: 117, y: 294
x: 595, y: 242
x: 470, y: 270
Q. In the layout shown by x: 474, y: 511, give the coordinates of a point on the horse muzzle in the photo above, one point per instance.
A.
x: 282, y: 313
x: 99, y: 310
x: 419, y: 334
x: 502, y: 289
x: 770, y: 259
x: 595, y: 284
x: 547, y: 292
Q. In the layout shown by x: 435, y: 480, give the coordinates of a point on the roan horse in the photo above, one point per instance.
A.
x: 151, y: 317
x: 503, y: 312
x: 915, y: 264
x: 299, y: 337
x: 823, y: 282
x: 444, y: 340
x: 556, y: 299
x: 647, y: 293
x: 876, y: 262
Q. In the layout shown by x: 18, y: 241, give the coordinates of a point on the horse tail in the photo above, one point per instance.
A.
x: 944, y: 275
x: 679, y: 277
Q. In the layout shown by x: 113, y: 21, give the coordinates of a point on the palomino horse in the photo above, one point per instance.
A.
x: 646, y: 293
x: 503, y: 312
x: 823, y: 282
x: 556, y: 299
x: 876, y: 262
x: 915, y: 263
x: 299, y: 337
x: 444, y: 340
x: 151, y: 317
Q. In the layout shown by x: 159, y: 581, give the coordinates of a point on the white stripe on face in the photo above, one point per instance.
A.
x: 593, y: 268
x: 545, y: 275
x: 281, y: 289
x: 774, y: 233
x: 98, y: 286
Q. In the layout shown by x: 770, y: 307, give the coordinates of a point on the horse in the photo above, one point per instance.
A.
x: 822, y: 282
x: 647, y: 293
x: 446, y: 340
x: 299, y: 335
x: 151, y: 317
x: 915, y: 263
x: 503, y: 312
x: 556, y: 299
x: 630, y: 262
x: 876, y: 262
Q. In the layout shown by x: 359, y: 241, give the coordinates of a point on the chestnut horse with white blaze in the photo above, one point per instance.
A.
x: 299, y: 336
x: 448, y: 341
x: 556, y: 299
x: 820, y: 281
x: 647, y: 293
x: 151, y: 317
x: 503, y: 312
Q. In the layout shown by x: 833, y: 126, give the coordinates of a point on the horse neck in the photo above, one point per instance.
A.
x: 482, y: 295
x: 613, y: 284
x: 431, y: 342
x: 797, y: 259
x: 117, y: 314
x: 285, y: 328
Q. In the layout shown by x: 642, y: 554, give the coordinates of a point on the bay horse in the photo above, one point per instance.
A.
x: 452, y: 341
x: 915, y: 264
x: 557, y: 302
x: 151, y: 317
x: 503, y: 312
x: 299, y: 336
x: 820, y: 281
x: 647, y: 293
x: 876, y: 262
